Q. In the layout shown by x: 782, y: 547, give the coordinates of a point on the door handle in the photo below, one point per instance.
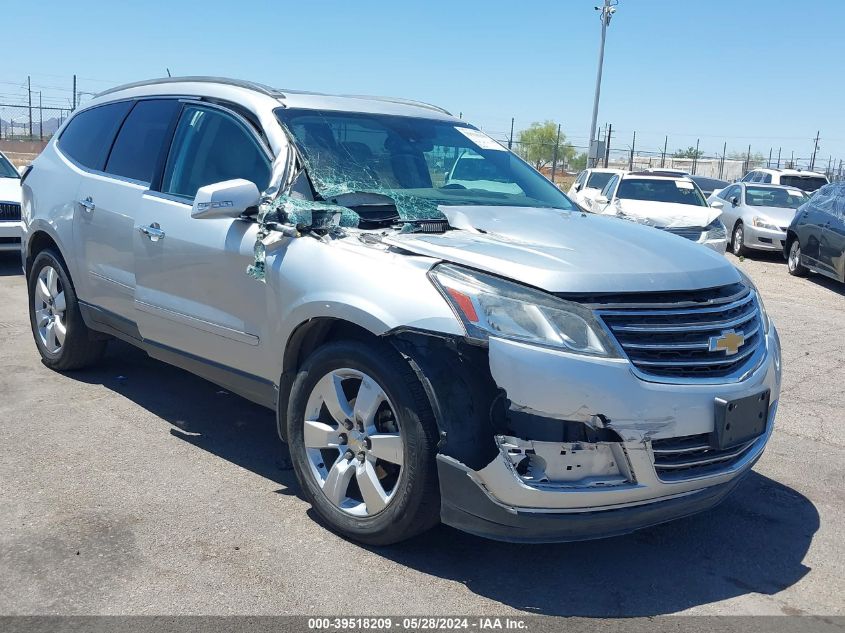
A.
x: 87, y: 204
x: 153, y: 232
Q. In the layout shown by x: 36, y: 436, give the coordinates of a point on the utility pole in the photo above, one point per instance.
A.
x: 554, y: 154
x: 748, y: 160
x: 769, y: 162
x: 829, y: 159
x: 695, y: 156
x: 510, y: 138
x: 815, y: 149
x: 607, y: 143
x: 29, y: 93
x: 74, y: 93
x: 631, y: 158
x: 779, y: 157
x: 607, y: 11
x: 722, y: 162
x: 40, y: 118
x: 663, y: 156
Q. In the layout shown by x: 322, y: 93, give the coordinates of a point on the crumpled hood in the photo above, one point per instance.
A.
x: 667, y: 214
x: 10, y: 190
x: 561, y: 251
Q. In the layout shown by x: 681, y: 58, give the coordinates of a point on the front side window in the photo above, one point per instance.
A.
x: 418, y: 163
x: 89, y: 135
x: 660, y: 190
x: 598, y: 179
x: 774, y: 197
x: 7, y: 170
x: 139, y: 143
x: 607, y: 192
x: 581, y: 178
x: 211, y: 146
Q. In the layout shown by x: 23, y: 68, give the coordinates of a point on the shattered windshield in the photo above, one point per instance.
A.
x: 381, y: 164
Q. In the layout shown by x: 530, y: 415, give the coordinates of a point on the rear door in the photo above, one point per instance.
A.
x: 102, y: 224
x: 192, y: 293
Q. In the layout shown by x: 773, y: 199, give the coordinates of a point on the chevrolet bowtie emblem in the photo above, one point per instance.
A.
x: 729, y: 341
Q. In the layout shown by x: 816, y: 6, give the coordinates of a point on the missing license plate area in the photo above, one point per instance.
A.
x: 740, y: 420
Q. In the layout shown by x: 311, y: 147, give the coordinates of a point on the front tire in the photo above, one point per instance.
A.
x: 793, y: 261
x: 738, y: 246
x: 362, y: 439
x: 61, y: 336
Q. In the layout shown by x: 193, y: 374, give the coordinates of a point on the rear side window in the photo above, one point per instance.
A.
x: 138, y: 145
x: 89, y: 135
x: 807, y: 183
x: 598, y: 179
x: 211, y: 146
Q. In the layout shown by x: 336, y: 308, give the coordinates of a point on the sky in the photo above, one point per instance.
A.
x: 735, y: 71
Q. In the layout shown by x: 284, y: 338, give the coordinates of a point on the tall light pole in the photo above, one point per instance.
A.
x: 607, y: 11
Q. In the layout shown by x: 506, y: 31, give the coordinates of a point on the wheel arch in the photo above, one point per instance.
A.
x: 306, y: 337
x: 41, y: 239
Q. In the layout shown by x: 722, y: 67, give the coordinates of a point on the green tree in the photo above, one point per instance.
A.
x: 537, y: 144
x: 579, y: 162
x: 689, y: 152
x: 756, y: 157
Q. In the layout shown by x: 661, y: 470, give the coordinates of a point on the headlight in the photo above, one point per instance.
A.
x: 715, y: 231
x: 763, y: 223
x: 489, y: 306
x: 764, y: 316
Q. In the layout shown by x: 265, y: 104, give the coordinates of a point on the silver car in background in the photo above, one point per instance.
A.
x: 474, y: 350
x: 757, y: 216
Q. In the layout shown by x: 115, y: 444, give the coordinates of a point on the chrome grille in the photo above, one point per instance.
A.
x: 669, y: 334
x: 10, y: 211
x: 689, y: 232
x: 679, y: 458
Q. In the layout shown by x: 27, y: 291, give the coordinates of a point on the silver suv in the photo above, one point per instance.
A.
x: 475, y: 351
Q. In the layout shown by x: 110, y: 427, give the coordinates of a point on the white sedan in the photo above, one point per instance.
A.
x: 671, y: 203
x: 10, y: 206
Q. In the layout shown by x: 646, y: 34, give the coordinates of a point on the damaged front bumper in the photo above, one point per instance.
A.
x: 593, y: 450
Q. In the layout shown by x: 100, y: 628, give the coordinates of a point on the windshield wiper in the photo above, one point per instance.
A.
x: 376, y: 210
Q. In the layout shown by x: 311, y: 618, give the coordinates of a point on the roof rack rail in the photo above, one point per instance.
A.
x: 249, y: 85
x: 421, y: 104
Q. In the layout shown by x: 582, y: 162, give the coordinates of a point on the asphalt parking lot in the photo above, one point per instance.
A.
x: 138, y: 488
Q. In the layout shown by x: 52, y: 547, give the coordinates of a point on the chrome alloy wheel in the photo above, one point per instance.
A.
x: 50, y: 306
x: 353, y: 442
x: 794, y: 256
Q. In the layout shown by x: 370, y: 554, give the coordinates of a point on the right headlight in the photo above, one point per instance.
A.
x: 489, y: 306
x: 764, y: 223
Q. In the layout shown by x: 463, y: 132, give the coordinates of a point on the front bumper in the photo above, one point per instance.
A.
x: 10, y: 236
x: 764, y: 239
x: 609, y: 486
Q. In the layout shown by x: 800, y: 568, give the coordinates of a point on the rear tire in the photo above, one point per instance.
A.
x: 793, y: 260
x: 362, y: 440
x: 738, y: 247
x: 61, y: 336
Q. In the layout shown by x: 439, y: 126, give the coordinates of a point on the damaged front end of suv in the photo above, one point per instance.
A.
x: 595, y: 376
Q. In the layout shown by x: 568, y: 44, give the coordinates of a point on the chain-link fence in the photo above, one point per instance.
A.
x: 730, y: 166
x: 20, y: 122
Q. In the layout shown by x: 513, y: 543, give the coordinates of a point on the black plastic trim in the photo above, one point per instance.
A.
x: 465, y: 506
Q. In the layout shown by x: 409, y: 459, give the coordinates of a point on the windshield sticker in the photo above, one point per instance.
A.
x: 480, y: 138
x: 683, y: 184
x: 793, y: 192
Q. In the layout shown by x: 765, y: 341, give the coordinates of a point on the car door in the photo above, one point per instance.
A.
x: 102, y: 210
x: 730, y: 211
x: 809, y: 226
x: 832, y: 243
x: 192, y: 293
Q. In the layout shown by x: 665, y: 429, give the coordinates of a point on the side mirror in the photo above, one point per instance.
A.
x: 717, y: 204
x: 601, y: 200
x: 577, y: 187
x: 734, y: 201
x: 228, y: 199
